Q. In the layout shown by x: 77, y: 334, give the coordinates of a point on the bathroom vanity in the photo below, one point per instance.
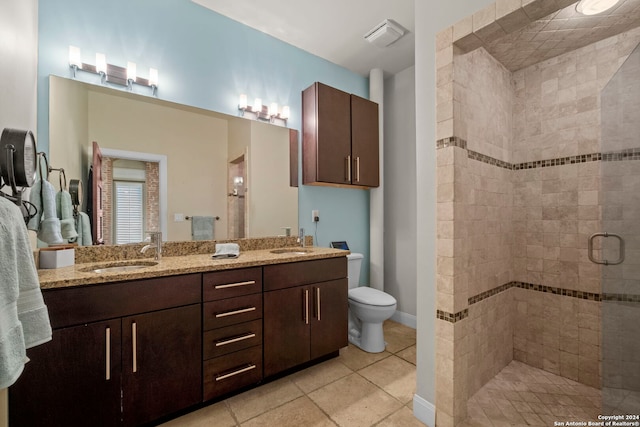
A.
x: 131, y: 348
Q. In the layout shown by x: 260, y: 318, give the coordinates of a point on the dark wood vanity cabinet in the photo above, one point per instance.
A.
x: 340, y: 138
x: 122, y: 354
x: 232, y: 337
x: 305, y: 312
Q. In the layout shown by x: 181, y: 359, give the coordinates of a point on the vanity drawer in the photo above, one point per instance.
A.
x: 281, y: 276
x: 232, y: 283
x: 221, y: 341
x: 226, y: 312
x: 228, y: 373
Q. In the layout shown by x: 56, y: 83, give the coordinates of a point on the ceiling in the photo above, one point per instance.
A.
x: 560, y: 32
x: 337, y: 37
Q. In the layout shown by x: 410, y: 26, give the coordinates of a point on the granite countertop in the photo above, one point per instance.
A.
x: 77, y: 275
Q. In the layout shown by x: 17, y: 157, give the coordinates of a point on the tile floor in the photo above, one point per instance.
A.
x: 354, y: 389
x: 521, y: 395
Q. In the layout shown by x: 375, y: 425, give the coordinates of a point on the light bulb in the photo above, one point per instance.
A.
x: 101, y: 63
x: 242, y: 102
x: 75, y: 59
x: 273, y: 109
x: 257, y: 105
x: 131, y: 71
x: 153, y: 77
x: 285, y: 112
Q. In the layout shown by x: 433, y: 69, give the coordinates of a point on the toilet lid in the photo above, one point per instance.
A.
x: 370, y: 296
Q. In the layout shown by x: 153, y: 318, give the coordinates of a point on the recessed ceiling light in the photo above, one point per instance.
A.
x: 593, y: 7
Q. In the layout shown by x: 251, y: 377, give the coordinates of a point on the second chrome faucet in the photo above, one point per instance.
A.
x: 156, y: 243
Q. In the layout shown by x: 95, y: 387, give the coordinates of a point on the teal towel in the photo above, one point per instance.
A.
x: 202, y: 227
x: 48, y: 226
x: 64, y: 210
x: 23, y: 315
x: 83, y: 225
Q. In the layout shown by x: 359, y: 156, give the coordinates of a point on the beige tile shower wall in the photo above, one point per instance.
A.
x: 557, y: 102
x: 483, y: 103
x: 490, y: 338
x: 555, y: 211
x: 485, y: 211
x: 559, y: 334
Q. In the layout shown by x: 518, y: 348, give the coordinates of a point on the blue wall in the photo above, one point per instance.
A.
x: 205, y: 60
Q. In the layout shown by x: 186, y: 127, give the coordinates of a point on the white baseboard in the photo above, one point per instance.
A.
x: 424, y: 411
x: 404, y: 318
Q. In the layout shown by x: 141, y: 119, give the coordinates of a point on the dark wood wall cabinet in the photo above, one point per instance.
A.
x: 131, y: 353
x: 340, y: 138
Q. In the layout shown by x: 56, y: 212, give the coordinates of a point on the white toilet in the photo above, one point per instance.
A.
x: 368, y: 309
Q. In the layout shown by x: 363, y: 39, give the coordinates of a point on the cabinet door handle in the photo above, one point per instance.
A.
x: 107, y: 342
x: 134, y: 345
x: 239, y: 371
x: 358, y: 169
x: 348, y: 177
x: 233, y: 285
x: 318, y: 302
x: 236, y: 339
x: 306, y: 306
x: 232, y: 313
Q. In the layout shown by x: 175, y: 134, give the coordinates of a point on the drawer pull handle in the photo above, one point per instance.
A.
x: 236, y: 339
x: 318, y: 302
x: 107, y: 341
x: 231, y: 374
x: 232, y: 313
x: 134, y: 344
x: 233, y: 285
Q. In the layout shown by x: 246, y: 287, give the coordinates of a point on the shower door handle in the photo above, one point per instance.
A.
x: 620, y: 259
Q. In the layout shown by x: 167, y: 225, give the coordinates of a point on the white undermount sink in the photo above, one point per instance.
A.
x: 118, y: 267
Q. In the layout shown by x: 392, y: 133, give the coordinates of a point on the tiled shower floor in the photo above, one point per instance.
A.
x: 521, y: 395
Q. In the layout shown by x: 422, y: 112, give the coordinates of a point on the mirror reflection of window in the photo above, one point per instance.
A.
x: 128, y: 183
x: 128, y: 221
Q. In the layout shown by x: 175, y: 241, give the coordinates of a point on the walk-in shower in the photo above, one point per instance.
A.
x: 538, y: 155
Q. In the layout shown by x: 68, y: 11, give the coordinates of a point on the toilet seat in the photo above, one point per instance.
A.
x: 370, y: 296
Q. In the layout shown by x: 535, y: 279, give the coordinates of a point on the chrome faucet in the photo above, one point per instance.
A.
x: 301, y: 237
x: 156, y: 242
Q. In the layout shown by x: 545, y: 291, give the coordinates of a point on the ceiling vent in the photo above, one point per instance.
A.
x: 385, y: 33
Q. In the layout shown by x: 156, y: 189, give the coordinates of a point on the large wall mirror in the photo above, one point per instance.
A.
x: 163, y: 162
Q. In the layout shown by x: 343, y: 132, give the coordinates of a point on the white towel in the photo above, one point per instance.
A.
x: 202, y: 227
x: 24, y: 320
x: 227, y: 250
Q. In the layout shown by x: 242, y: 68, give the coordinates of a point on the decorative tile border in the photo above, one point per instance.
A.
x: 621, y: 297
x: 452, y: 141
x: 612, y: 156
x: 452, y: 318
x: 590, y: 296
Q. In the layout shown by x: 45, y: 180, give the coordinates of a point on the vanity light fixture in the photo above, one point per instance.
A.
x: 263, y: 112
x: 110, y: 73
x: 594, y: 7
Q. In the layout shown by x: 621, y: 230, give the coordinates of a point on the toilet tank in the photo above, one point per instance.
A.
x: 353, y: 269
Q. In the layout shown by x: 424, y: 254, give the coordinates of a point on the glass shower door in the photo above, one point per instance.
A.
x: 620, y: 202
